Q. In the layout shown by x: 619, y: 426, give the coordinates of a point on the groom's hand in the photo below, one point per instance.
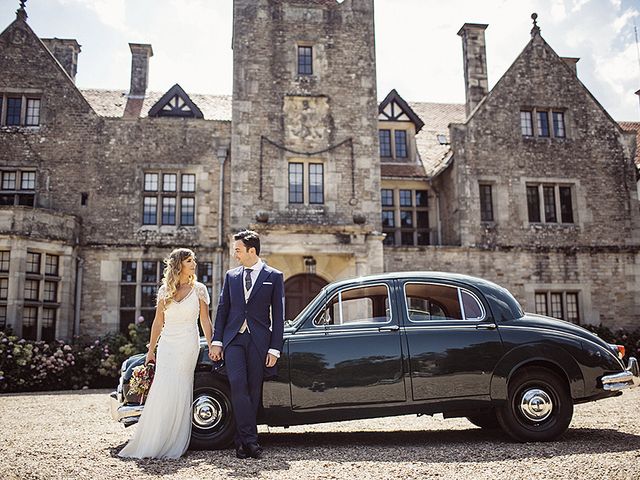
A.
x: 215, y: 353
x: 271, y: 360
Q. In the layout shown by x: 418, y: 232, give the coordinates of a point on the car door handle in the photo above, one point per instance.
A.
x: 390, y: 328
x: 486, y: 326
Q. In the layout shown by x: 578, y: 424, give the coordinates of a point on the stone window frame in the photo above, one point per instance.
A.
x: 24, y: 115
x: 41, y: 309
x: 395, y: 231
x: 18, y: 195
x: 5, y: 263
x: 147, y: 309
x: 533, y: 124
x: 156, y: 189
x: 306, y: 175
x: 550, y: 302
x: 492, y: 201
x: 300, y: 46
x: 542, y: 190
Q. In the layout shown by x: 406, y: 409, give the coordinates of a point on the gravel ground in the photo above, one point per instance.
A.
x: 71, y: 435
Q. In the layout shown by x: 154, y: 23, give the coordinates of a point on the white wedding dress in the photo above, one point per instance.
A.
x: 164, y: 428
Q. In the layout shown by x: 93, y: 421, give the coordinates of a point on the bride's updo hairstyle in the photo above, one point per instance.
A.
x: 172, y: 268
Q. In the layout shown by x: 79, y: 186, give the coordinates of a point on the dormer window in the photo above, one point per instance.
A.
x: 385, y: 142
x: 175, y: 103
x: 305, y: 60
x: 401, y: 143
x: 399, y: 125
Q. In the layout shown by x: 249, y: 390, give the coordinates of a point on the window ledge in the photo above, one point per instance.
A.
x: 19, y: 128
x: 559, y: 226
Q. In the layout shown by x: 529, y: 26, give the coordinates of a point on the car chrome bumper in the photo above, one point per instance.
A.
x: 630, y: 378
x: 127, y: 414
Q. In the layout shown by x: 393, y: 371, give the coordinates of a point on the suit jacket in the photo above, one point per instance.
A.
x: 264, y: 310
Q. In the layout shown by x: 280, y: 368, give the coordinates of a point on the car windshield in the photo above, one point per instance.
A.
x: 295, y: 322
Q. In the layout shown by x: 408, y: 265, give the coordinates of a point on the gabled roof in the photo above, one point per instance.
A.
x: 20, y: 27
x: 635, y: 128
x: 175, y: 103
x: 394, y: 108
x: 112, y: 103
x: 537, y: 39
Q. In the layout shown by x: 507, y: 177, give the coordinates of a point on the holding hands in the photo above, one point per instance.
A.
x: 215, y: 353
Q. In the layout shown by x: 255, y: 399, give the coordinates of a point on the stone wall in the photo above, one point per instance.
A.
x: 606, y: 282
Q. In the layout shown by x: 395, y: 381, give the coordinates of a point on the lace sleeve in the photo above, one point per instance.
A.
x: 162, y: 294
x: 203, y: 293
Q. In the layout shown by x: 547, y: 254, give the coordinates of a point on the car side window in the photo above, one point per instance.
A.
x: 472, y: 308
x: 356, y: 306
x: 431, y: 301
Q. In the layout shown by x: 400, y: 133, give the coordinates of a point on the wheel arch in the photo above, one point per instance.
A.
x: 551, y: 357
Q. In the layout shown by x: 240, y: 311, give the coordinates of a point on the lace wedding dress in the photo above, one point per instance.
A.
x: 164, y: 428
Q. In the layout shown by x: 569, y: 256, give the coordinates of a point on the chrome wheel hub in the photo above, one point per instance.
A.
x: 536, y: 405
x: 207, y: 412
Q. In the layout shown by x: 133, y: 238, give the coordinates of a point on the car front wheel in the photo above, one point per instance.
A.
x: 212, y: 422
x: 539, y: 406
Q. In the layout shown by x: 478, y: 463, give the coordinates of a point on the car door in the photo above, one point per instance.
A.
x: 453, y: 342
x: 349, y: 354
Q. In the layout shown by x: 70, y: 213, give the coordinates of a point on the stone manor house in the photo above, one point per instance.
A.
x: 531, y: 184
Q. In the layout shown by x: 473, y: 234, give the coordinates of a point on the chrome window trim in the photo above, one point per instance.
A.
x: 359, y: 324
x: 464, y: 319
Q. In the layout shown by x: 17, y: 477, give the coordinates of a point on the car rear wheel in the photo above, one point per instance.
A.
x: 486, y: 420
x: 212, y: 422
x: 539, y: 406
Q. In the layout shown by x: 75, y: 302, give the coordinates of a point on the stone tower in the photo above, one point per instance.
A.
x: 304, y: 152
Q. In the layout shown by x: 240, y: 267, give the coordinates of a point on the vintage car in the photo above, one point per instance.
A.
x: 415, y: 343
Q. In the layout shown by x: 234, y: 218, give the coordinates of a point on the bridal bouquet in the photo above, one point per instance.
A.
x: 141, y: 380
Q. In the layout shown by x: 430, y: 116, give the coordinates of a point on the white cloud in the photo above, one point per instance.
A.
x: 620, y: 22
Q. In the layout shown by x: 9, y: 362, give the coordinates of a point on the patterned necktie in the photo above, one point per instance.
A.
x: 247, y: 279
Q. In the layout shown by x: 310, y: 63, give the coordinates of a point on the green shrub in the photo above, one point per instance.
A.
x: 27, y: 366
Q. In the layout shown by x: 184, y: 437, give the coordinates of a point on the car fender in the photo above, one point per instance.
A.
x: 555, y: 356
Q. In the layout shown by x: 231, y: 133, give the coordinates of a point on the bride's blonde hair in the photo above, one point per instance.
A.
x: 171, y: 275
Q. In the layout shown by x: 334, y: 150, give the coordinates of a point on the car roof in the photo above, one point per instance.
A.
x: 430, y: 275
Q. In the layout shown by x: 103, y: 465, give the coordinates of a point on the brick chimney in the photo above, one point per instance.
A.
x: 66, y: 52
x: 571, y: 62
x: 474, y: 57
x: 140, y: 54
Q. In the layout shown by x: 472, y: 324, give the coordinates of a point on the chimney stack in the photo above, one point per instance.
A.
x: 474, y: 56
x: 66, y: 52
x: 571, y: 62
x: 140, y: 54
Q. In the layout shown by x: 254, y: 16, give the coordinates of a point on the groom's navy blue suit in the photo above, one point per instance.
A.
x: 245, y: 353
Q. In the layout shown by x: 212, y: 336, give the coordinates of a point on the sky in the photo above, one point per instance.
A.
x: 418, y: 50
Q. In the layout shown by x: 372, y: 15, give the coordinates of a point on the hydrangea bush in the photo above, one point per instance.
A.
x: 28, y: 366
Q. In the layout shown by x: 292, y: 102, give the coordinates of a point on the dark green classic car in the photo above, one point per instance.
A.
x: 419, y: 343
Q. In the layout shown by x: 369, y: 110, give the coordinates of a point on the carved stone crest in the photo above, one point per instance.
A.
x: 306, y: 118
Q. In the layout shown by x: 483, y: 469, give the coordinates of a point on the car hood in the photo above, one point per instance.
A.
x: 541, y: 321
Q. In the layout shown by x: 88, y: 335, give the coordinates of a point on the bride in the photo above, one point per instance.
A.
x: 164, y: 428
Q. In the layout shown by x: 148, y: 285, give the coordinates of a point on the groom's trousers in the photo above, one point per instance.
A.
x: 245, y: 370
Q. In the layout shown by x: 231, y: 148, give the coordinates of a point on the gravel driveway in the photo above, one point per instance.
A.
x: 71, y: 435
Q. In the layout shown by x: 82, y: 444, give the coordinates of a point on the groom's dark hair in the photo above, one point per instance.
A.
x: 250, y: 239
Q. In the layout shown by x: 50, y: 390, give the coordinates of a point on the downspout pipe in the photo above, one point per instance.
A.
x: 78, y: 296
x: 222, y: 155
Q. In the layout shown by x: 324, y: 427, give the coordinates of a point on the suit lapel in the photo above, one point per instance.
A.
x: 239, y: 283
x: 262, y: 276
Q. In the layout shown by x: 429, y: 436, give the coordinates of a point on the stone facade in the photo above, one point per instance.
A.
x: 303, y: 153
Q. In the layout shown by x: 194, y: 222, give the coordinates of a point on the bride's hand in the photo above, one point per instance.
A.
x: 151, y: 357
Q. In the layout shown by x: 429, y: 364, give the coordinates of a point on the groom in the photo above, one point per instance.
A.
x: 248, y: 334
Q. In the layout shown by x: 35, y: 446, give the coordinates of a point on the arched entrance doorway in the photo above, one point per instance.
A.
x: 299, y: 290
